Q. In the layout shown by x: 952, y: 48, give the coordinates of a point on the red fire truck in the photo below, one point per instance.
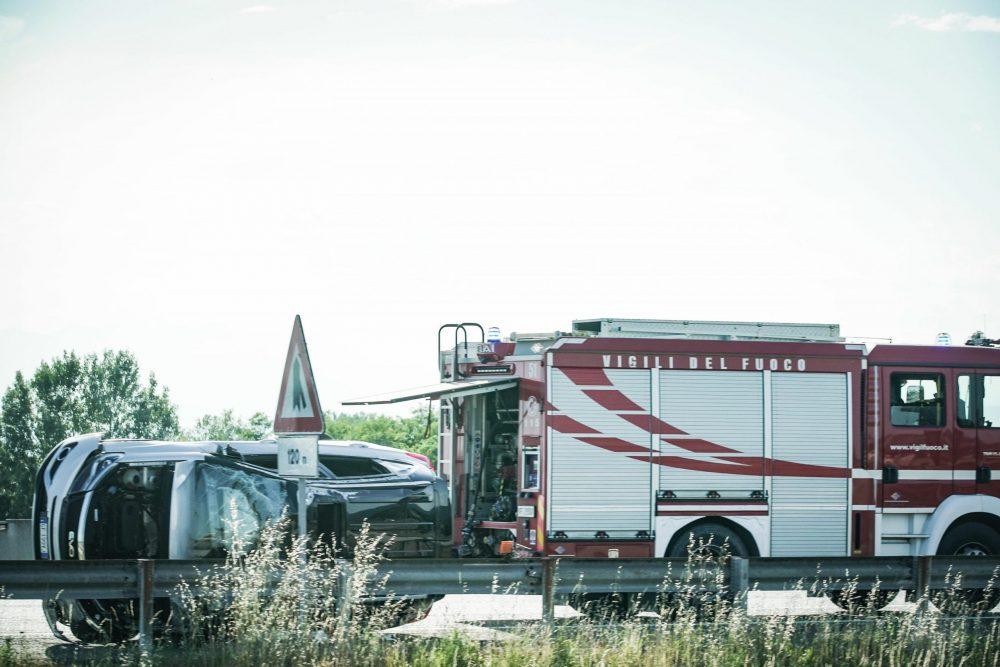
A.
x: 627, y: 437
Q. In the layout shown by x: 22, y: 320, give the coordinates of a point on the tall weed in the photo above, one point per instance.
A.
x: 276, y: 604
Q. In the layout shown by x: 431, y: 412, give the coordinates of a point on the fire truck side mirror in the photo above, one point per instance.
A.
x: 890, y: 475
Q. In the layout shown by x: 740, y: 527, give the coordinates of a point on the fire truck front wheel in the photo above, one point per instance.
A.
x: 708, y: 540
x: 968, y: 539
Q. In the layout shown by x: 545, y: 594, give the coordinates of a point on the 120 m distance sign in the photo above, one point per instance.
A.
x: 298, y: 455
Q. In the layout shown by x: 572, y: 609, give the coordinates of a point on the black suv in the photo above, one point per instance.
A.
x: 129, y: 499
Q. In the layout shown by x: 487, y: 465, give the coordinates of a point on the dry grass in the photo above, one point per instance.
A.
x: 298, y: 623
x: 905, y: 640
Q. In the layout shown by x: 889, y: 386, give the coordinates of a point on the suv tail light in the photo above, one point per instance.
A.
x: 420, y: 457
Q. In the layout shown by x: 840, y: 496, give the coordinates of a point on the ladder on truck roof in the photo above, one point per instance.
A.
x: 611, y: 327
x: 457, y: 356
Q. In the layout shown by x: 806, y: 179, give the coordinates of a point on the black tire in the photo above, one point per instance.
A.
x: 968, y: 539
x: 85, y: 634
x: 113, y: 617
x: 709, y: 540
x: 698, y: 544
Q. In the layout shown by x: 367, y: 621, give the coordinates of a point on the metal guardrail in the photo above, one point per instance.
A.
x: 145, y: 580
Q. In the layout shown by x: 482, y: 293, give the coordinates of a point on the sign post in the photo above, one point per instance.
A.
x: 298, y: 421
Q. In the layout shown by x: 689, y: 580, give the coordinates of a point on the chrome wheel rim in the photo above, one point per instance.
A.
x: 972, y: 549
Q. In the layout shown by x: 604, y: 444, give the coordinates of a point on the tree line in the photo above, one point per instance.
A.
x: 73, y: 394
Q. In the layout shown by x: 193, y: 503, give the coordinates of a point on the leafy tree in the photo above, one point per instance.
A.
x: 414, y: 433
x: 228, y: 427
x: 70, y: 395
x: 20, y: 453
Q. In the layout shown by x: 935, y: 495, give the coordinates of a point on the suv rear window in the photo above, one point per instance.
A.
x: 350, y: 466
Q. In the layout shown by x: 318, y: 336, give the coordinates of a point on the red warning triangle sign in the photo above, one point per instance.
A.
x: 298, y: 402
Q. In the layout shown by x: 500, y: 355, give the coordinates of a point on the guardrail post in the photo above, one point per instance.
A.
x: 922, y: 579
x: 739, y: 580
x: 145, y: 584
x: 548, y: 589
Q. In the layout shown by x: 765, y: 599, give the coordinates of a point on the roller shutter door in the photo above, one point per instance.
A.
x: 809, y: 425
x: 591, y: 488
x: 724, y: 408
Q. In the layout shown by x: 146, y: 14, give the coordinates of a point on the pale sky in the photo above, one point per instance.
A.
x: 180, y: 178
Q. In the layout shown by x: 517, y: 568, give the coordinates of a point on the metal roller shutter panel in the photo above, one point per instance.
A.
x: 809, y: 425
x: 725, y: 408
x: 592, y: 488
x: 570, y: 400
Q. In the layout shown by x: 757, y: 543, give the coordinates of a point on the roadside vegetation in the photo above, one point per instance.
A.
x: 274, y: 601
x: 735, y: 640
x: 70, y: 395
x: 276, y: 604
x: 416, y: 432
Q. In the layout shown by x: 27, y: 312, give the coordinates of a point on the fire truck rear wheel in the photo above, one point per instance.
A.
x: 968, y: 539
x: 708, y: 540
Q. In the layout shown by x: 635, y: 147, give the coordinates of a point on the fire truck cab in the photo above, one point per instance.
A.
x: 633, y: 437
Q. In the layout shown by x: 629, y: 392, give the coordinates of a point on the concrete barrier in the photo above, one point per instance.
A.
x: 16, y: 540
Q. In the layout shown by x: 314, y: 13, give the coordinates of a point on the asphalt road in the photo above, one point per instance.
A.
x: 22, y: 623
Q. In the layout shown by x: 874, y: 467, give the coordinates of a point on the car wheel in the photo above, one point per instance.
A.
x: 85, y: 633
